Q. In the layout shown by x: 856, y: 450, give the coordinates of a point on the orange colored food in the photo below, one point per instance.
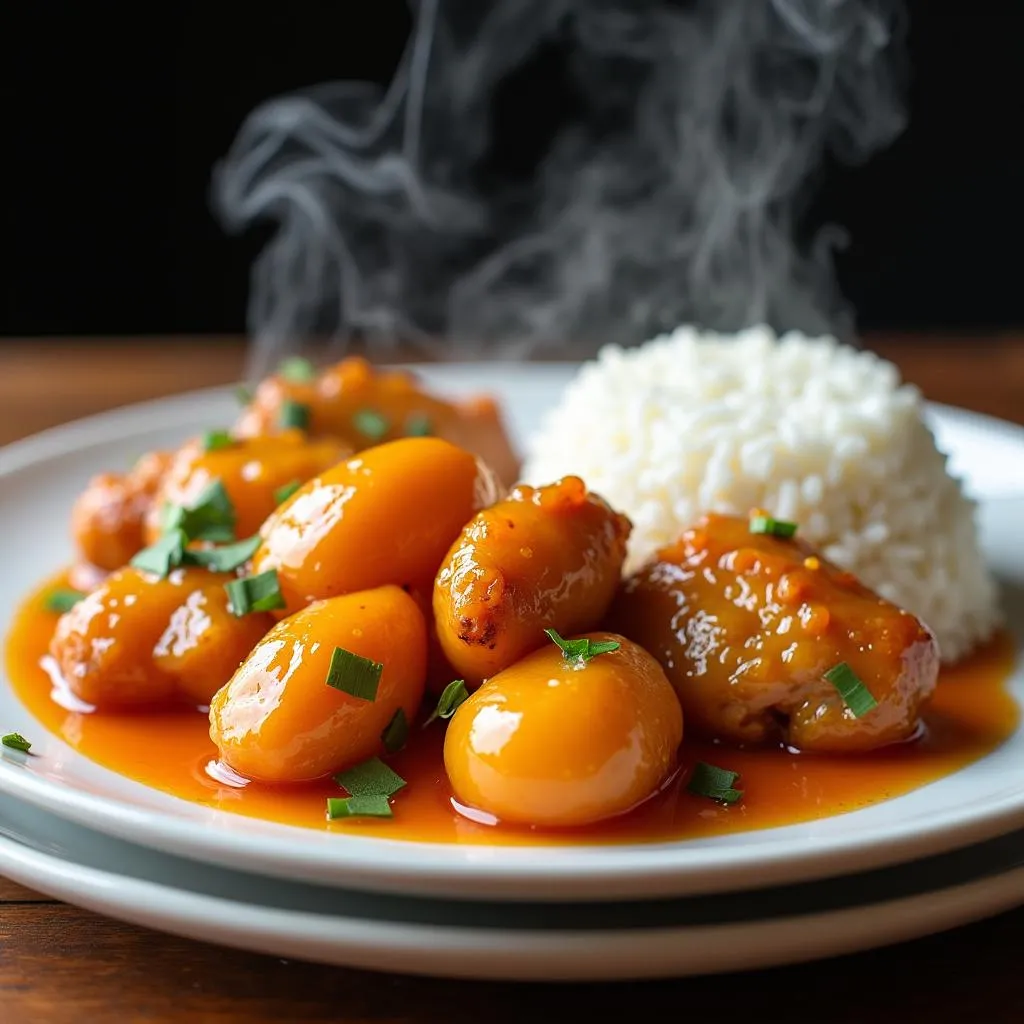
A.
x: 546, y: 557
x: 251, y: 471
x: 561, y: 743
x: 365, y: 406
x: 137, y: 640
x: 387, y: 515
x: 746, y: 625
x: 108, y: 519
x: 277, y: 720
x: 971, y: 713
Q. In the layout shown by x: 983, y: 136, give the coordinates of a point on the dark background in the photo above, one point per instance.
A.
x: 112, y: 125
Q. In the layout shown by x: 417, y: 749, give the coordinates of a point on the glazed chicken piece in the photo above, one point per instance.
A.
x: 544, y: 558
x: 364, y: 406
x: 747, y: 625
x: 108, y: 519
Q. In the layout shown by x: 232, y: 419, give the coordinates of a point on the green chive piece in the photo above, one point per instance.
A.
x: 243, y: 394
x: 297, y: 370
x: 370, y: 424
x: 448, y: 703
x: 166, y: 554
x: 714, y: 783
x: 370, y: 778
x: 358, y: 807
x: 282, y: 494
x: 15, y: 741
x: 356, y: 676
x: 227, y: 558
x: 856, y: 696
x: 581, y: 651
x: 62, y: 600
x: 294, y: 414
x: 209, y: 516
x: 259, y: 593
x: 395, y: 733
x: 418, y: 425
x: 774, y: 527
x: 214, y: 440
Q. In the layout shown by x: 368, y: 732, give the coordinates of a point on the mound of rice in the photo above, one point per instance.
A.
x: 812, y: 431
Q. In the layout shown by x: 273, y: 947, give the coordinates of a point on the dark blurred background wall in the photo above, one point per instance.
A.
x: 112, y: 125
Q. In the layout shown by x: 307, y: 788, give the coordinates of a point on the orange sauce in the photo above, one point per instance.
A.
x: 971, y: 714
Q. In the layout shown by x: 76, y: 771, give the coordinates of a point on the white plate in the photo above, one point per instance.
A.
x: 39, y: 478
x: 518, y: 941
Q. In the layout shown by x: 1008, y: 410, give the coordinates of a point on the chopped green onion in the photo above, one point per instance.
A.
x: 15, y: 741
x: 259, y: 593
x: 370, y: 424
x: 358, y: 807
x: 448, y: 703
x: 395, y: 733
x: 856, y: 696
x: 418, y: 425
x: 282, y: 494
x: 714, y: 783
x: 356, y: 676
x: 62, y: 600
x: 294, y: 414
x: 582, y: 651
x: 209, y: 516
x: 297, y: 370
x: 227, y: 558
x: 370, y: 778
x: 214, y: 440
x: 774, y: 527
x: 243, y: 394
x: 166, y: 554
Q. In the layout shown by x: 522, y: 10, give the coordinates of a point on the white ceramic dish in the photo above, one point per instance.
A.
x: 518, y: 941
x: 39, y: 478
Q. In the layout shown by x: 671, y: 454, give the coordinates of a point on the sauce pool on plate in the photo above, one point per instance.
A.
x: 970, y: 715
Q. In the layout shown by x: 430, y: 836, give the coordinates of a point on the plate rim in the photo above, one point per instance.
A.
x: 377, y: 864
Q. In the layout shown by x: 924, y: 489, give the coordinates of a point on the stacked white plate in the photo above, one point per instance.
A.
x: 948, y: 853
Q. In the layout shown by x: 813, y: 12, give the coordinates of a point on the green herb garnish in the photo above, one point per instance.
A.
x: 714, y: 783
x: 166, y: 554
x: 282, y: 494
x: 370, y: 424
x: 15, y: 741
x: 856, y: 696
x: 210, y: 516
x: 214, y: 440
x: 259, y: 593
x: 358, y: 807
x: 448, y: 703
x: 62, y: 600
x: 294, y: 414
x: 370, y: 778
x: 358, y: 677
x: 395, y: 733
x: 297, y: 370
x: 418, y: 425
x: 226, y: 558
x: 579, y: 652
x: 774, y: 527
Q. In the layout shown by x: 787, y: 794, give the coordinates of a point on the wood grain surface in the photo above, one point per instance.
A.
x: 59, y: 963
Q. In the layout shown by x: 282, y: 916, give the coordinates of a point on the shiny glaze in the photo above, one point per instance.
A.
x: 277, y: 721
x: 140, y: 640
x: 340, y: 393
x: 250, y: 469
x: 546, y: 557
x: 971, y: 713
x: 402, y: 504
x: 557, y: 743
x: 745, y: 626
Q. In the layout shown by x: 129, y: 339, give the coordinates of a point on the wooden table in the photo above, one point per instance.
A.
x: 58, y: 963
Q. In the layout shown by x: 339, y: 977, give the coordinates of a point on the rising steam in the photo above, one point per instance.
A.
x: 672, y: 191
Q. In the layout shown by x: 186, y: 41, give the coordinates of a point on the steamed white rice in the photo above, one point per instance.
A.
x: 810, y: 430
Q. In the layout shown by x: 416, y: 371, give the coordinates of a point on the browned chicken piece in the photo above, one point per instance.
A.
x: 767, y: 642
x: 544, y: 558
x: 364, y: 406
x: 108, y: 519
